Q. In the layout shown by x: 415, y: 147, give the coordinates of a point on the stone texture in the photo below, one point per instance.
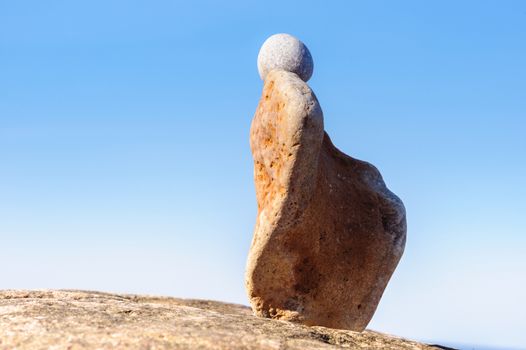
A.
x: 285, y: 52
x: 329, y: 233
x: 90, y: 320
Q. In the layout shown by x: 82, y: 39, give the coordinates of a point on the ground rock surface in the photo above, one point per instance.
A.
x: 93, y: 320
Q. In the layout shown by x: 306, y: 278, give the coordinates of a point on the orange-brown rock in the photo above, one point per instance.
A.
x: 329, y: 233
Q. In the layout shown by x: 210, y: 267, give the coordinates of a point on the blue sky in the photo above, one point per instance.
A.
x: 125, y: 164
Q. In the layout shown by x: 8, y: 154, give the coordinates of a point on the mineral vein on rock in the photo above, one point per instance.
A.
x: 329, y: 233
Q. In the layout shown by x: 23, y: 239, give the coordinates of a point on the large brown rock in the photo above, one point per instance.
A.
x: 90, y: 320
x: 329, y: 233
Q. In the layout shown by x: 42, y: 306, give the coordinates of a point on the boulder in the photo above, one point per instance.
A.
x: 92, y: 320
x: 328, y: 234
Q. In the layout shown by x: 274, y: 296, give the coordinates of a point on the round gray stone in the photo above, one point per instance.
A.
x: 285, y: 52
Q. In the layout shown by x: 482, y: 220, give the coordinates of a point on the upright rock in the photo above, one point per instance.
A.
x: 329, y: 233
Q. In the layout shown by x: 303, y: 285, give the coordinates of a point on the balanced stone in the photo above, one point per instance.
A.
x: 329, y: 234
x: 285, y: 52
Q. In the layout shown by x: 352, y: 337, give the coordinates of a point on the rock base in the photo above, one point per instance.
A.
x: 92, y: 320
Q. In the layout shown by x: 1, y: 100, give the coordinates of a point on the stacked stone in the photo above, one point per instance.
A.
x: 329, y: 234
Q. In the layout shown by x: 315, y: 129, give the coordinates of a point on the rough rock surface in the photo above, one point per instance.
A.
x: 285, y: 52
x: 91, y: 320
x: 329, y: 233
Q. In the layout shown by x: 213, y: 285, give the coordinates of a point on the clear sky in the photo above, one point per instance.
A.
x: 125, y: 164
